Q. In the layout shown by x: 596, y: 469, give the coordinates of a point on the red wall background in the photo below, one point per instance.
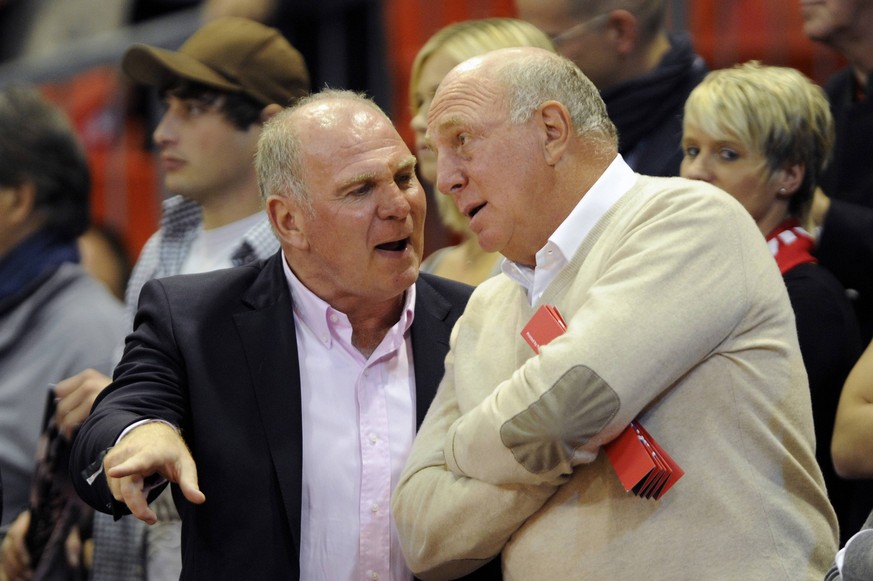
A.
x: 724, y: 33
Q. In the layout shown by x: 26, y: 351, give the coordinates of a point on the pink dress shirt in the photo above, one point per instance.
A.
x: 358, y: 425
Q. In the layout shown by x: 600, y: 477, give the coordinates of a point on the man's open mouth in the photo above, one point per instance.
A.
x: 475, y: 210
x: 395, y: 246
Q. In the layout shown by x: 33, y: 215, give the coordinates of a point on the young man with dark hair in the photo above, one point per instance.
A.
x: 218, y: 90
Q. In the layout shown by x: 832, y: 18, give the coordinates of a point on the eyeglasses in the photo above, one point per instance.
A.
x: 577, y: 29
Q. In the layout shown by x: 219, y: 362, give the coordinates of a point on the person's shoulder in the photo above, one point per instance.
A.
x: 678, y: 191
x: 691, y: 212
x: 840, y: 85
x: 78, y: 306
x: 817, y: 284
x: 858, y: 556
x: 819, y: 302
x: 224, y: 281
x: 453, y: 291
x: 73, y: 286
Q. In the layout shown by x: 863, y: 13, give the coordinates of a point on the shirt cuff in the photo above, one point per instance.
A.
x: 95, y: 469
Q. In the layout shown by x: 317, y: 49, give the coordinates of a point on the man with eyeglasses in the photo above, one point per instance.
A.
x: 644, y: 73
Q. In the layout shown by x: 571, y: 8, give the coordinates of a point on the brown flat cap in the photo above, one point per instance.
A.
x: 231, y: 54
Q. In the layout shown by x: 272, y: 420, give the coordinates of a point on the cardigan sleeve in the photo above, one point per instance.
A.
x: 449, y: 525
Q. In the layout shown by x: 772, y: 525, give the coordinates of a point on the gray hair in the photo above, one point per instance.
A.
x: 534, y: 79
x: 279, y: 159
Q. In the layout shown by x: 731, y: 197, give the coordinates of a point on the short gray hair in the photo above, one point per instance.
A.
x: 279, y: 159
x: 532, y: 80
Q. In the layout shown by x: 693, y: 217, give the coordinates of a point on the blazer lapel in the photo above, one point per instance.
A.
x: 270, y: 348
x: 430, y: 344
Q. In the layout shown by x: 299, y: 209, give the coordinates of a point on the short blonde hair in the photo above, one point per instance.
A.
x: 462, y: 41
x: 776, y: 112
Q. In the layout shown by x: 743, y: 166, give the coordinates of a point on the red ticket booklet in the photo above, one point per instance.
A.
x: 642, y: 466
x: 641, y: 463
x: 546, y: 324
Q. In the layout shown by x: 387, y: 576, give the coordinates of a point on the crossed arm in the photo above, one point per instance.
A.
x: 479, y: 469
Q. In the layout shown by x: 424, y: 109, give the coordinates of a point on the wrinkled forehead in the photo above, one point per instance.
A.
x: 341, y: 123
x: 325, y: 116
x: 464, y: 99
x: 334, y: 141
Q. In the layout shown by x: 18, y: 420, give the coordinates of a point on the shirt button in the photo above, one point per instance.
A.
x: 333, y: 318
x: 373, y: 575
x: 373, y: 438
x: 374, y: 507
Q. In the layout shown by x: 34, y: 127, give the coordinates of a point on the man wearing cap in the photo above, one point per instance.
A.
x: 219, y: 88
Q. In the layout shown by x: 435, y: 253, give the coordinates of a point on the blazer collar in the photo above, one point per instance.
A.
x: 270, y: 347
x: 430, y: 343
x: 269, y: 344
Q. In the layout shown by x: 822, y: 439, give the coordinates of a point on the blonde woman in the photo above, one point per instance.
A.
x: 763, y: 134
x: 451, y: 45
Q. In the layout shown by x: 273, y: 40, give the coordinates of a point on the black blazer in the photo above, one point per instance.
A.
x: 216, y: 355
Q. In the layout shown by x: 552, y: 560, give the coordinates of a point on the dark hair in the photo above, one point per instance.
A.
x: 240, y: 109
x: 39, y: 146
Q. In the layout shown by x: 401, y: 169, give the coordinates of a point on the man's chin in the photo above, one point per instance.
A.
x: 485, y: 243
x: 409, y: 276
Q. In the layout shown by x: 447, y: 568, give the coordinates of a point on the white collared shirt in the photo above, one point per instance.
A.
x: 566, y: 239
x: 214, y: 248
x: 358, y: 419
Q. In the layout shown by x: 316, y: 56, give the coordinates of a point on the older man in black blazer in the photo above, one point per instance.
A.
x: 220, y: 381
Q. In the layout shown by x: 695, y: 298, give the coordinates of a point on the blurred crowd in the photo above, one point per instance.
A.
x: 82, y: 322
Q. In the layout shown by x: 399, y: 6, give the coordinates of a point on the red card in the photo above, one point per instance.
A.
x: 675, y: 471
x: 546, y: 324
x: 632, y: 459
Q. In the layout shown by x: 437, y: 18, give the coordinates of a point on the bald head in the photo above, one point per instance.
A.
x: 523, y: 78
x: 514, y: 128
x: 305, y: 126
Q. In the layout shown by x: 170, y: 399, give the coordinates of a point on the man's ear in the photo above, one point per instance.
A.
x: 788, y: 179
x: 269, y: 111
x: 17, y: 202
x: 623, y: 31
x: 557, y: 130
x: 288, y: 220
